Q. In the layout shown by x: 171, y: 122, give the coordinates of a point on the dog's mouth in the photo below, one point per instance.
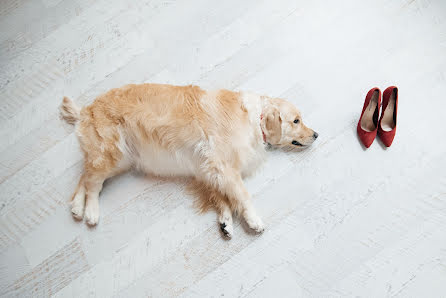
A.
x: 296, y: 143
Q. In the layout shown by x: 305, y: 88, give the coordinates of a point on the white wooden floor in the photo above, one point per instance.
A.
x: 341, y: 221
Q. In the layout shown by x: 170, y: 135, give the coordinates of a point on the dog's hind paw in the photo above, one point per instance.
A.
x: 77, y: 212
x: 92, y: 214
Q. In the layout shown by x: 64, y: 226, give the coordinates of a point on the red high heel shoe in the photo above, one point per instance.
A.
x: 387, y: 122
x: 368, y: 122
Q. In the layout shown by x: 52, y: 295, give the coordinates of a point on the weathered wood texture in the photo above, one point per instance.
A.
x: 341, y: 221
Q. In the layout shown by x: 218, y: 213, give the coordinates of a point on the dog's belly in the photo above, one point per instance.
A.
x: 163, y: 163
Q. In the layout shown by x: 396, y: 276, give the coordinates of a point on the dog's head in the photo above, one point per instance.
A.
x: 283, y: 126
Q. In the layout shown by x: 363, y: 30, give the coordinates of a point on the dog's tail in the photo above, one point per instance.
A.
x: 69, y: 111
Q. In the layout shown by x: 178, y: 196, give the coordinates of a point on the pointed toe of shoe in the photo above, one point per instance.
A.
x: 367, y: 142
x: 387, y: 137
x: 387, y: 143
x: 366, y: 137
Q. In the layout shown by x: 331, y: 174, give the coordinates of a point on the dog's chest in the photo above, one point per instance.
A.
x: 248, y: 149
x: 252, y: 158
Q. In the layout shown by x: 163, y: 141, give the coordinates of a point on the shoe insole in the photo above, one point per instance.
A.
x: 367, y: 122
x: 388, y: 120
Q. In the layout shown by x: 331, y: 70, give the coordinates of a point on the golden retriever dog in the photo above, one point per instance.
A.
x: 216, y: 137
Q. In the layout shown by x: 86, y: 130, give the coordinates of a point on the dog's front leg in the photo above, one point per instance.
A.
x: 229, y: 182
x: 225, y: 218
x: 251, y: 217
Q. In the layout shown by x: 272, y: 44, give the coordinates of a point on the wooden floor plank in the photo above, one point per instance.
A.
x: 43, y: 18
x: 52, y: 275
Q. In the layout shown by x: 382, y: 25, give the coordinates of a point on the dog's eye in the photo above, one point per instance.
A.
x: 296, y: 121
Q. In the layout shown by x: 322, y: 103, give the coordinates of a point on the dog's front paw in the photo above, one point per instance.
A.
x: 226, y: 226
x: 227, y: 229
x: 255, y: 223
x: 225, y: 221
x: 92, y: 215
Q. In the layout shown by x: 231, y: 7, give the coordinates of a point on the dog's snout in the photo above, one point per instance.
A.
x: 315, y: 135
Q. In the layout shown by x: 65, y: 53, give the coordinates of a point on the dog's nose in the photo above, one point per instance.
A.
x: 315, y: 135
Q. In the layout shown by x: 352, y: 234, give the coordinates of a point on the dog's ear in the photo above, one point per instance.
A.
x: 273, y: 125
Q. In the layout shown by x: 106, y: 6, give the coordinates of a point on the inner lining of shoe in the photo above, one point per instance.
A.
x: 388, y: 121
x: 370, y: 118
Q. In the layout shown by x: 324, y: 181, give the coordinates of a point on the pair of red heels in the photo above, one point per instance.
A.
x: 385, y: 127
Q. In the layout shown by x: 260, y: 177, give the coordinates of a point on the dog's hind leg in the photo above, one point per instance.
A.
x: 78, y: 200
x: 93, y: 186
x: 85, y: 198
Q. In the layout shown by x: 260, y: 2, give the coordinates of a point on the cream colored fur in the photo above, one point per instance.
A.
x: 214, y: 136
